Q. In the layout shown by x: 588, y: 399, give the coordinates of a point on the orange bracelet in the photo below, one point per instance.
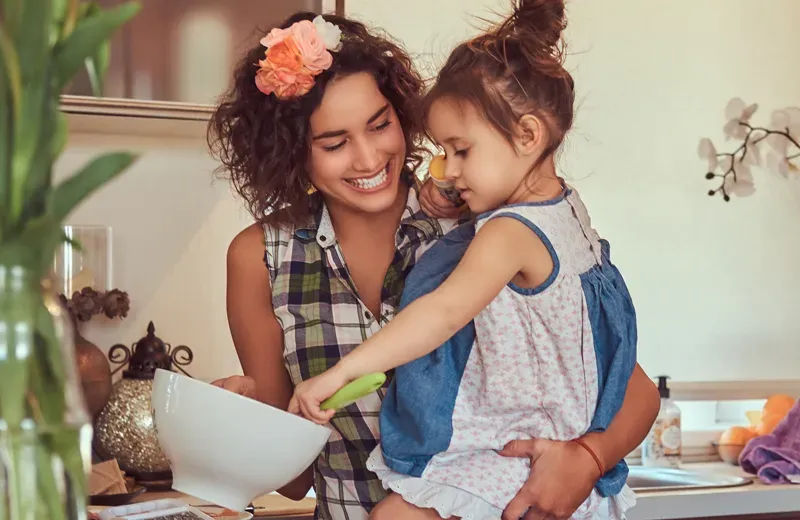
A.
x: 592, y: 453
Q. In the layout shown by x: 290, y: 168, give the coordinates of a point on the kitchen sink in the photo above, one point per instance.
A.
x: 643, y: 479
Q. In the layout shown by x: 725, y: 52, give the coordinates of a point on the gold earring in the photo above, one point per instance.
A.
x: 311, y: 190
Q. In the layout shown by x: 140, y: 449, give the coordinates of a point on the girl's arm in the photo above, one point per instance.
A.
x: 498, y: 252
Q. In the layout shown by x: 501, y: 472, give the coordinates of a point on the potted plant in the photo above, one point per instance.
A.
x: 45, y: 434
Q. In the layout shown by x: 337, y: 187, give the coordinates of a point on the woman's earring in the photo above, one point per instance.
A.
x: 311, y: 190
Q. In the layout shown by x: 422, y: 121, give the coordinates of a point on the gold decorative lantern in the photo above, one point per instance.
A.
x: 124, y: 429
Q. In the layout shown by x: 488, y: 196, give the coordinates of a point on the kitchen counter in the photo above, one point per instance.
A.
x: 743, y: 501
x: 753, y: 501
x: 273, y: 507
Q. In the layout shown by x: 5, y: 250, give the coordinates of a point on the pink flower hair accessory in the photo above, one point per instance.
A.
x: 295, y: 55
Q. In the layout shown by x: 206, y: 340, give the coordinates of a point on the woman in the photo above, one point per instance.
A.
x: 323, y: 152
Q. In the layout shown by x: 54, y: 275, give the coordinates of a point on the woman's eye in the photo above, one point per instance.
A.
x: 461, y: 153
x: 334, y: 147
x: 383, y: 126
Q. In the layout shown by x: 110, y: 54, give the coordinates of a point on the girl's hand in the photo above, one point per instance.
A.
x: 563, y: 475
x: 434, y: 204
x: 309, y: 394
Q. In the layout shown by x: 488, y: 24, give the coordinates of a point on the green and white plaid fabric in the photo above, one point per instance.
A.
x: 323, y: 319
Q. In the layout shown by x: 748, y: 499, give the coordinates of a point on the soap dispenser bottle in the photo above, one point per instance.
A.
x: 662, y: 448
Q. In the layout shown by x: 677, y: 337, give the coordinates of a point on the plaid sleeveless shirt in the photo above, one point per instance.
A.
x: 323, y: 318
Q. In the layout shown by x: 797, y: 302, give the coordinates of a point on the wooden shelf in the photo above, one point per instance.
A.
x: 129, y: 117
x: 732, y: 390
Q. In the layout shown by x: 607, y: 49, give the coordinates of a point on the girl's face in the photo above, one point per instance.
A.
x: 488, y: 170
x: 358, y: 149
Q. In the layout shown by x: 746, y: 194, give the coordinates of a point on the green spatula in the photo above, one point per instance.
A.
x: 353, y: 391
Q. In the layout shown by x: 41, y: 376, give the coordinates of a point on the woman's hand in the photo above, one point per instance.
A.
x: 241, y: 385
x: 434, y: 204
x: 309, y: 394
x: 563, y: 475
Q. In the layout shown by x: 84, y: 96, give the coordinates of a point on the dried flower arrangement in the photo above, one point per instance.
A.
x: 87, y: 303
x: 733, y: 170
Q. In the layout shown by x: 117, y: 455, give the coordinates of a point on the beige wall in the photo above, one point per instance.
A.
x: 711, y: 281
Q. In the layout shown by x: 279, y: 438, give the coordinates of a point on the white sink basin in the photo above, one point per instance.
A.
x: 643, y: 479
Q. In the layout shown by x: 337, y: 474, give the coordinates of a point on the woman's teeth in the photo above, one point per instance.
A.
x: 371, y: 182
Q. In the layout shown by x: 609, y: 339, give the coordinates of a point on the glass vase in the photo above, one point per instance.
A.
x: 45, y: 430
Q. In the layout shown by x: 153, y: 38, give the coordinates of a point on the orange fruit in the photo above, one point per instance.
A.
x: 779, y: 404
x: 775, y: 409
x: 736, y: 436
x: 768, y: 423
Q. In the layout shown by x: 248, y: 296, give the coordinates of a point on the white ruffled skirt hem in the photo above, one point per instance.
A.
x: 449, y: 501
x: 446, y: 500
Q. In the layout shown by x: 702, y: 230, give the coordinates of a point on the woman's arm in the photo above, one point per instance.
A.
x: 256, y: 332
x: 631, y: 424
x: 563, y: 473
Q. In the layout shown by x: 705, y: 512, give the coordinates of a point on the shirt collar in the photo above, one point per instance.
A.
x: 320, y: 227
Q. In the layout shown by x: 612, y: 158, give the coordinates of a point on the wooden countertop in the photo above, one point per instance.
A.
x: 753, y: 499
x: 273, y: 506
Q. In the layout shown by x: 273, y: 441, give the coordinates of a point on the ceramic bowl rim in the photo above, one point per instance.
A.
x: 244, y: 399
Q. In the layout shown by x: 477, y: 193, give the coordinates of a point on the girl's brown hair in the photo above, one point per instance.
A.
x: 516, y: 68
x: 263, y: 142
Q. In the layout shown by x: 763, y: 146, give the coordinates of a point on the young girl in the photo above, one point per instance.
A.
x: 554, y: 325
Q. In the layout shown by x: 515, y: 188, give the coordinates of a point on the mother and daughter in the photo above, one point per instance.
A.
x: 509, y: 337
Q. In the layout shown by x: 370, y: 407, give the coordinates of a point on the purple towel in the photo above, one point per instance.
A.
x: 776, y: 456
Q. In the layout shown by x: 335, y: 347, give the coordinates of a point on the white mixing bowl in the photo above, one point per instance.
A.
x: 225, y: 448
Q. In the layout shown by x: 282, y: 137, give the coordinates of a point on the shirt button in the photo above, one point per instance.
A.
x: 323, y: 238
x: 368, y: 315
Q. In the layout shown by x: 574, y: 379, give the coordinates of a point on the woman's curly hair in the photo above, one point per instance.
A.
x: 263, y: 142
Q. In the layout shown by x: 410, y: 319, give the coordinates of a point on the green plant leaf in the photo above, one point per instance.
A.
x: 48, y: 379
x: 33, y: 38
x: 67, y: 445
x: 97, y: 64
x: 73, y: 243
x: 33, y: 47
x: 11, y: 12
x: 12, y: 72
x: 49, y: 366
x: 6, y: 140
x: 34, y: 246
x: 70, y: 193
x: 21, y: 468
x: 18, y: 310
x: 57, y: 20
x: 3, y: 507
x: 84, y: 42
x: 60, y: 134
x: 65, y: 12
x: 97, y: 67
x: 40, y: 167
x: 48, y: 489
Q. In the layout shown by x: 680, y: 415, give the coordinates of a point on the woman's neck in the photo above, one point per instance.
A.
x: 348, y: 223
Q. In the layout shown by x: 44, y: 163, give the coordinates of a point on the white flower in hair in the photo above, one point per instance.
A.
x: 331, y: 34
